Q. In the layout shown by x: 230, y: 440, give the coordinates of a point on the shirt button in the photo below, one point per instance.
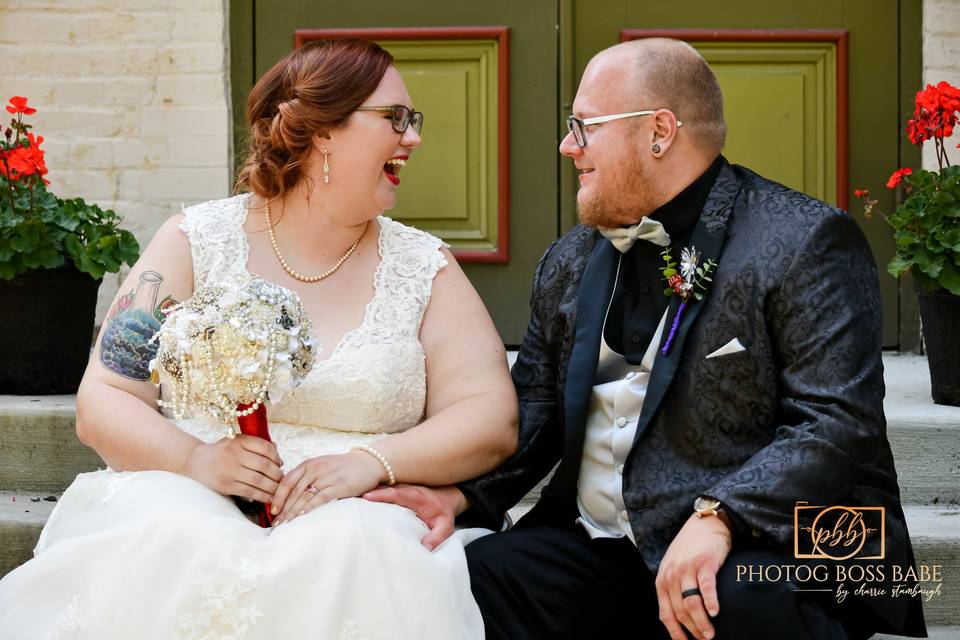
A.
x: 635, y: 338
x: 621, y: 421
x: 645, y: 289
x: 624, y: 516
x: 620, y: 469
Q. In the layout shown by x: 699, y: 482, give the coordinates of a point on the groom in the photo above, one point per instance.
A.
x: 684, y: 428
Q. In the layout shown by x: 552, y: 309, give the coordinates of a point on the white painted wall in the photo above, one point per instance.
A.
x: 941, y: 61
x: 132, y: 99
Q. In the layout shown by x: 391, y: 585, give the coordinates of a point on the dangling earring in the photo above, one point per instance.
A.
x: 655, y: 148
x: 326, y: 165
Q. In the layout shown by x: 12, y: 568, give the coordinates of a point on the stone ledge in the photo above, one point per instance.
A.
x: 908, y: 402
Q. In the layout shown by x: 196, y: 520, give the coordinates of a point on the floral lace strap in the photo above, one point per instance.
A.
x: 410, y: 260
x: 218, y: 244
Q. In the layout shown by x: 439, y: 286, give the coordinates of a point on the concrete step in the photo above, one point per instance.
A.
x: 934, y: 633
x: 22, y: 516
x: 39, y: 449
x: 925, y: 437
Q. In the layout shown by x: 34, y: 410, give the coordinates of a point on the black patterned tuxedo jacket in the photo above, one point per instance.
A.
x: 796, y: 416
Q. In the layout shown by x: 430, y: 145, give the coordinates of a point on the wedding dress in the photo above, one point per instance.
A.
x: 158, y: 555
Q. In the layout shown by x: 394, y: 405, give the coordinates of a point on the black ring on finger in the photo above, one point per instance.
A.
x: 690, y: 592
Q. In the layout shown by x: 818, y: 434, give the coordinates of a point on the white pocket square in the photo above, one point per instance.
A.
x: 733, y: 346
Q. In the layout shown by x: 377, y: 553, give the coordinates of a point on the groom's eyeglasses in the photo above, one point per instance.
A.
x: 401, y: 117
x: 578, y: 127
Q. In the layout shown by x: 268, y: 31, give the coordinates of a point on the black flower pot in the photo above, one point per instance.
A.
x: 940, y: 315
x: 46, y: 330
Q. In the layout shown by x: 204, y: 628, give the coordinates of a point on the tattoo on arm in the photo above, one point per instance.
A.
x: 125, y: 348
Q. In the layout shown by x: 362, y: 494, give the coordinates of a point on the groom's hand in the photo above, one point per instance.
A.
x: 437, y: 507
x: 692, y: 561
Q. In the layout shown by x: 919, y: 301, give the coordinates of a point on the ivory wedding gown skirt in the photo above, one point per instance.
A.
x: 142, y: 555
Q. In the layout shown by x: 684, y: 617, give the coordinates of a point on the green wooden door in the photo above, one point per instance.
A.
x: 816, y: 94
x: 485, y: 178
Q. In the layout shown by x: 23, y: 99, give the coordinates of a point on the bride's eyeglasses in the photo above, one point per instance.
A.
x: 401, y: 117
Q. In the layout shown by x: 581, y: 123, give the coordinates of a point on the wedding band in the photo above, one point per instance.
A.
x: 311, y: 489
x: 690, y: 592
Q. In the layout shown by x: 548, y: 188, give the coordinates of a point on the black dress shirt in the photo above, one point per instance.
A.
x: 638, y: 301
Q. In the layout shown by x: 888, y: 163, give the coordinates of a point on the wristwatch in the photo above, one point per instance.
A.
x: 706, y: 506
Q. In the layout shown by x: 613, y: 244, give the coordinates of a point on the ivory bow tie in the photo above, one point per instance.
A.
x: 624, y: 237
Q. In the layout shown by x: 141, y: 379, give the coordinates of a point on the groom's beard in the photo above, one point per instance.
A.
x: 619, y: 198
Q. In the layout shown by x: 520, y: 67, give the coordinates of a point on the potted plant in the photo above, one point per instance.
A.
x: 926, y: 229
x: 53, y: 254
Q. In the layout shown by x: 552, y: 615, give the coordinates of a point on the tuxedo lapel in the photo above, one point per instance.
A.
x: 708, y: 237
x: 596, y: 287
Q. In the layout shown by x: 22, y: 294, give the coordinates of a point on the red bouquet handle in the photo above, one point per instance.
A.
x: 255, y: 424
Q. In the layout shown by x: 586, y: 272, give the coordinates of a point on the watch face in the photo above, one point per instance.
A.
x: 706, y: 504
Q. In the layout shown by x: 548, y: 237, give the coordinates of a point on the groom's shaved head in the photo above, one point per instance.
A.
x: 670, y: 74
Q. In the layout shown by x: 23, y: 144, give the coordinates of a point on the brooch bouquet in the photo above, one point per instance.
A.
x: 227, y: 351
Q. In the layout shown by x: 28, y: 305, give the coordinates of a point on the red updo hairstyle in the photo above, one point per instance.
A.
x: 308, y: 93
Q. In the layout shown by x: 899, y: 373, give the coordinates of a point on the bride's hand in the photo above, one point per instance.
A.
x: 317, y: 481
x: 244, y: 466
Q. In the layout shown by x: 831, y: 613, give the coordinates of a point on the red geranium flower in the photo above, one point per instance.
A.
x: 18, y: 104
x: 28, y: 160
x: 861, y: 193
x: 935, y: 113
x: 897, y: 177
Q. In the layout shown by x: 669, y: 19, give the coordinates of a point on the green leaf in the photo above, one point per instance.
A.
x: 26, y: 240
x: 668, y: 292
x: 950, y: 278
x: 906, y: 238
x: 899, y: 265
x: 66, y: 217
x: 129, y: 248
x: 669, y: 272
x: 7, y: 270
x: 73, y: 246
x: 929, y: 264
x: 951, y: 239
x: 107, y: 242
x: 46, y: 258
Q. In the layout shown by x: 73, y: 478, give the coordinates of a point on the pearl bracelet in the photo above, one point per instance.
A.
x: 391, y: 479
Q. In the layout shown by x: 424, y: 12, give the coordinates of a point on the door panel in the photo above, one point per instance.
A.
x: 754, y: 103
x: 440, y: 195
x: 784, y: 101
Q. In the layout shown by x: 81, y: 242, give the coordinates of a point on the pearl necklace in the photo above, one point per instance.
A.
x: 286, y: 267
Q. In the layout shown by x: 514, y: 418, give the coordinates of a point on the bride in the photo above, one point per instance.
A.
x: 410, y: 385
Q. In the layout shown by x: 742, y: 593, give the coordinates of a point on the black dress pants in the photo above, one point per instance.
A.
x: 548, y: 582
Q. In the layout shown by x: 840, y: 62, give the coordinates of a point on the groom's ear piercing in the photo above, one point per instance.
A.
x: 655, y: 148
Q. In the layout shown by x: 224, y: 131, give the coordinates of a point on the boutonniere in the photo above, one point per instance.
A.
x: 690, y: 282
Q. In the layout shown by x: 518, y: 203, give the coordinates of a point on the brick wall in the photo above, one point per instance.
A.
x: 941, y: 61
x: 132, y: 99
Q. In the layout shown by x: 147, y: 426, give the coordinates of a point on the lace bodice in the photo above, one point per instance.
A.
x: 373, y: 382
